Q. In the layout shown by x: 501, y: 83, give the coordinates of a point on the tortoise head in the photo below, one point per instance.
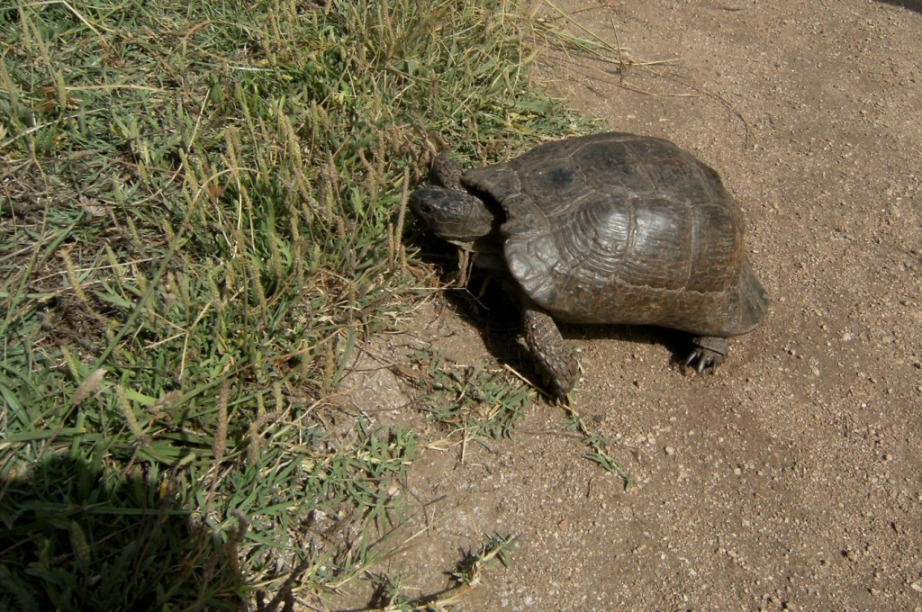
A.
x: 453, y: 214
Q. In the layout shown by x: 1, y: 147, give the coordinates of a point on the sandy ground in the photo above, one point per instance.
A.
x: 792, y: 478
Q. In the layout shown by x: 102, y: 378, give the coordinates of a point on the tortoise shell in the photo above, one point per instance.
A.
x: 618, y: 228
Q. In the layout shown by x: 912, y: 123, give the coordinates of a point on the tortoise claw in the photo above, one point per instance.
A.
x: 709, y: 353
x: 703, y: 359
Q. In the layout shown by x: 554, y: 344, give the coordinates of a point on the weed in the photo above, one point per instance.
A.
x: 472, y: 400
x: 467, y: 575
x: 599, y: 446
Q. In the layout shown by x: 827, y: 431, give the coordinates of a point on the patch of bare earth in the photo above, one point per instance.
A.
x: 792, y: 478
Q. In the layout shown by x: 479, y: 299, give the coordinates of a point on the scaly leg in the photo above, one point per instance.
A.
x: 547, y: 347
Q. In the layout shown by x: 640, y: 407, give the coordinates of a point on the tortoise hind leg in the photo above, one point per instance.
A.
x: 547, y: 347
x: 709, y: 352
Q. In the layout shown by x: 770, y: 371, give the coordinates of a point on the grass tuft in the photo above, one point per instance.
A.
x: 476, y: 402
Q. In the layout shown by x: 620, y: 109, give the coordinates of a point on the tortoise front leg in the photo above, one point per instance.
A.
x: 547, y: 347
x: 709, y: 352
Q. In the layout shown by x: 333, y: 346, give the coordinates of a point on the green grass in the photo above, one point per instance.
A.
x: 471, y: 400
x: 201, y: 215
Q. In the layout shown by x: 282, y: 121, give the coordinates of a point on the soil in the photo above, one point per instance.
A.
x: 791, y: 478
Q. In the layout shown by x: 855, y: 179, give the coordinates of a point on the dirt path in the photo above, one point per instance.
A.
x: 793, y: 477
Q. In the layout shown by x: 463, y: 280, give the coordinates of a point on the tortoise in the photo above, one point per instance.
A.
x: 611, y: 228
